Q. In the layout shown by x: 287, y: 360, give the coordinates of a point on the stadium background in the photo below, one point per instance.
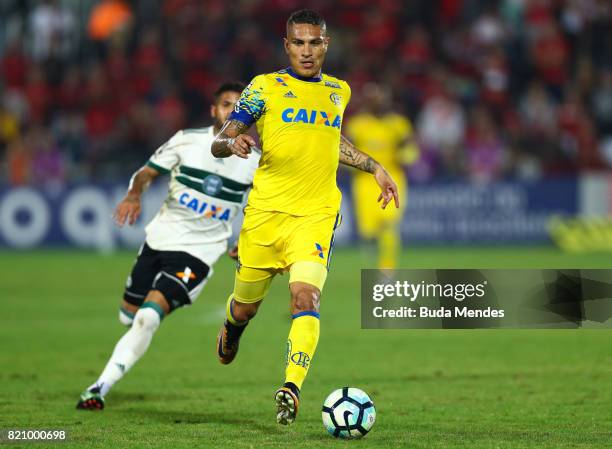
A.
x: 511, y: 101
x: 512, y: 105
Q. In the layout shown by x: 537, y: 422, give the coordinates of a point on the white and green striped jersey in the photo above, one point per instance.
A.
x: 205, y: 194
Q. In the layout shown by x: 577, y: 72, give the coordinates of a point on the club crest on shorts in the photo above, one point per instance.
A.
x: 212, y: 184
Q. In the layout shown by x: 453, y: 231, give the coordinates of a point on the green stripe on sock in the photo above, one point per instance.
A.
x: 154, y: 306
x: 126, y: 312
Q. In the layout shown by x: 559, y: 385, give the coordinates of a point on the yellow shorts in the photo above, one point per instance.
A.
x: 275, y: 240
x: 370, y: 217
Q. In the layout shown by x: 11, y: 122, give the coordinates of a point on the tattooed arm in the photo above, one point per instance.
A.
x: 233, y: 140
x: 351, y: 156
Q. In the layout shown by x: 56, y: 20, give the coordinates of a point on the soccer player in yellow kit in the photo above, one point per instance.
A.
x: 292, y: 210
x: 387, y: 136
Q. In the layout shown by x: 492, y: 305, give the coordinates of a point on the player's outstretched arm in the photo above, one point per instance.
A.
x: 351, y: 156
x: 129, y: 207
x: 233, y: 140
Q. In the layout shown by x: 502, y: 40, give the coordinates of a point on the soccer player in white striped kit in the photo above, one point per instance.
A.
x: 183, y: 241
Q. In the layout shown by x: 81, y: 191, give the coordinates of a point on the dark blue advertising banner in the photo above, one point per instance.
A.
x: 510, y: 212
x: 70, y: 216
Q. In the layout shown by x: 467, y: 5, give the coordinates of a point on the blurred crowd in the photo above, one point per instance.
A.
x: 495, y: 89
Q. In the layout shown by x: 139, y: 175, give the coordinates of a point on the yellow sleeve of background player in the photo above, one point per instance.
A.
x: 408, y: 148
x: 352, y: 129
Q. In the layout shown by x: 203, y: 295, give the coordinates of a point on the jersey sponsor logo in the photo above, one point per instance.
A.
x: 203, y: 208
x: 186, y: 275
x: 310, y: 117
x: 332, y: 84
x: 300, y: 359
x: 212, y: 185
x: 290, y: 95
x: 281, y: 81
x: 335, y: 98
x: 320, y: 251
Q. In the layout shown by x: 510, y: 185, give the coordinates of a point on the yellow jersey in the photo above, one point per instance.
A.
x: 299, y: 122
x: 383, y: 138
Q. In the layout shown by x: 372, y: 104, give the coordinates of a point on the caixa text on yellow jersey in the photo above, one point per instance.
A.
x: 311, y: 117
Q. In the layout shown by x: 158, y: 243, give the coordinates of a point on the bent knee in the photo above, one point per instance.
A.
x: 127, y: 312
x: 125, y: 317
x: 147, y: 319
x: 305, y: 299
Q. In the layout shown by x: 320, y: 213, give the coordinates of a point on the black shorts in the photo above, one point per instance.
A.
x: 178, y: 275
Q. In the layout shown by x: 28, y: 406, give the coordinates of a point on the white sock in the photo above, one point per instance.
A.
x: 126, y: 318
x: 129, y: 348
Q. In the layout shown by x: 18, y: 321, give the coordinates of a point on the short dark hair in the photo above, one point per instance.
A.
x: 306, y: 16
x: 234, y: 86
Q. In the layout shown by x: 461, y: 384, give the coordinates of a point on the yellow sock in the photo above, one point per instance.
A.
x: 389, y: 243
x: 301, y: 346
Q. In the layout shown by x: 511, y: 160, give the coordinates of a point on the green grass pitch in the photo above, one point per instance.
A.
x: 432, y: 388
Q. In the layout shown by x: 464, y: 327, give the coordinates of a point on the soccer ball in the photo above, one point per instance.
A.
x: 348, y: 413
